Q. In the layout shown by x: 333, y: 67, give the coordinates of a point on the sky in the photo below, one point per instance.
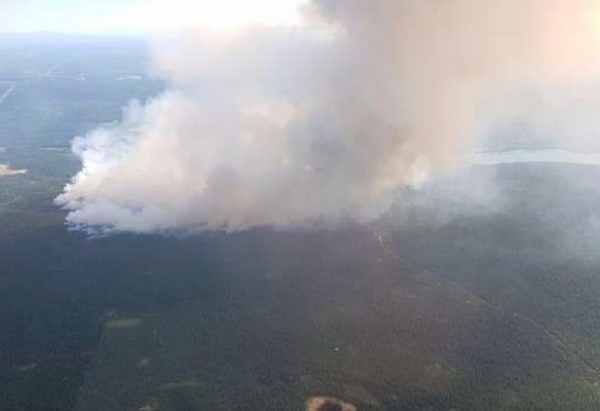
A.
x: 139, y: 16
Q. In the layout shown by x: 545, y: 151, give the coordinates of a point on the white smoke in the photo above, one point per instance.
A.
x: 275, y: 126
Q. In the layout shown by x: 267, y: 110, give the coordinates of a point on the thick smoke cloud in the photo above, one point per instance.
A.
x: 323, y: 123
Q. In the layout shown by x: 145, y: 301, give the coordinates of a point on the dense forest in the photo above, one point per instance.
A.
x: 439, y: 305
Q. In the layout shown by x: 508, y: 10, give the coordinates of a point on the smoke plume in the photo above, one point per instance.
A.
x: 325, y: 122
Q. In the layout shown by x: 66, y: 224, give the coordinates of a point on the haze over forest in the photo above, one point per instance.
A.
x: 394, y: 204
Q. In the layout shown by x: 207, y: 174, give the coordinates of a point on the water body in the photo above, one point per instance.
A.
x: 7, y: 92
x: 537, y: 156
x: 7, y: 171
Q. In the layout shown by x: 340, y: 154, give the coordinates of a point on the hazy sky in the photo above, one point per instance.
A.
x: 135, y: 16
